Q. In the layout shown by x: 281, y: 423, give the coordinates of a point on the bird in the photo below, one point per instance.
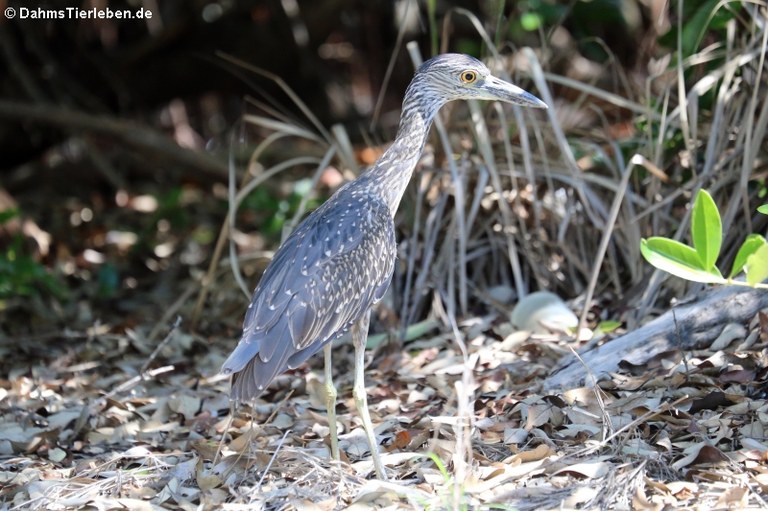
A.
x: 338, y: 263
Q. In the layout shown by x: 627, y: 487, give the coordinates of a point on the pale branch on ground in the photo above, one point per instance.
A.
x: 690, y: 326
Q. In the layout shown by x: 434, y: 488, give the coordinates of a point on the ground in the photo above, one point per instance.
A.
x: 113, y: 420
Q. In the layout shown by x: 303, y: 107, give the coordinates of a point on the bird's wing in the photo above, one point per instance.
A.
x: 326, y: 275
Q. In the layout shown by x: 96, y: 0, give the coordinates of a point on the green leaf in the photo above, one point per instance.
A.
x: 530, y: 21
x: 749, y: 247
x: 679, y: 260
x: 706, y: 229
x: 8, y: 214
x: 763, y: 209
x: 757, y: 266
x: 608, y: 326
x: 440, y: 465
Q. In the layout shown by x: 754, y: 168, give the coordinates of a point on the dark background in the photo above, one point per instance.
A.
x: 97, y: 117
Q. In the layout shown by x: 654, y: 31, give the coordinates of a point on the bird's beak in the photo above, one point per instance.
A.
x: 500, y: 90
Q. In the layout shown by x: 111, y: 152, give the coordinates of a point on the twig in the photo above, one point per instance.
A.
x: 17, y: 66
x: 173, y: 309
x: 285, y: 88
x: 131, y: 133
x: 223, y: 231
x: 643, y: 418
x: 146, y: 376
x: 162, y: 344
x: 273, y: 458
x: 606, y: 239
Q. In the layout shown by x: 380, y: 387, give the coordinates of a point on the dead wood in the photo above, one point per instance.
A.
x: 689, y: 326
x: 133, y: 134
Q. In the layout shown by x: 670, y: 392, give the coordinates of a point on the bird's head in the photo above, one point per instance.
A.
x: 453, y: 76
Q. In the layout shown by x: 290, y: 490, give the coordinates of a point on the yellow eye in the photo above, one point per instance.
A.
x: 468, y: 77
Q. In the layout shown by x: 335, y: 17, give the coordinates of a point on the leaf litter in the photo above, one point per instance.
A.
x: 687, y: 429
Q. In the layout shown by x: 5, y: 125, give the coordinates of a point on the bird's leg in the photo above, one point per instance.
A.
x: 359, y: 339
x: 330, y: 402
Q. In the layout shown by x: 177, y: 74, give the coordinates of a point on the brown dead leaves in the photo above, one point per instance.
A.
x: 680, y: 429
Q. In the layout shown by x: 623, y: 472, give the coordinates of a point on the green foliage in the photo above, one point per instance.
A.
x: 763, y: 209
x: 535, y: 15
x: 434, y: 32
x: 171, y: 208
x: 756, y: 267
x: 277, y: 211
x: 698, y: 263
x: 108, y: 278
x: 702, y: 24
x: 20, y: 274
x: 750, y: 246
x: 608, y: 326
x: 699, y: 18
x: 8, y: 215
x: 531, y: 21
x: 440, y: 466
x: 706, y: 229
x: 449, y: 482
x: 678, y: 259
x: 448, y: 499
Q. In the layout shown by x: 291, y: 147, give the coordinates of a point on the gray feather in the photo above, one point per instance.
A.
x: 339, y: 261
x: 322, y: 280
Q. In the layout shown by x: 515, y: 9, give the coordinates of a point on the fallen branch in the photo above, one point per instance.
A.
x: 130, y: 133
x: 698, y: 324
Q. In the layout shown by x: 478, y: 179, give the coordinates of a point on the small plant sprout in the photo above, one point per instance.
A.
x: 697, y: 263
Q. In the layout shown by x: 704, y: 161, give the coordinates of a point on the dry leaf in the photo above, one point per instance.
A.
x: 186, y: 405
x: 587, y: 469
x: 730, y: 333
x: 699, y: 454
x: 541, y: 452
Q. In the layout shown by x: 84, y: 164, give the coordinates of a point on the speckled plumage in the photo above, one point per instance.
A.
x: 327, y: 274
x: 338, y: 263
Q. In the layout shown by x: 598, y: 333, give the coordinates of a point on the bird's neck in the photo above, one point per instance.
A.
x: 390, y: 175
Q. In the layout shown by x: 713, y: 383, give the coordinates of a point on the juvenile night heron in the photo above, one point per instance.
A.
x: 338, y: 263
